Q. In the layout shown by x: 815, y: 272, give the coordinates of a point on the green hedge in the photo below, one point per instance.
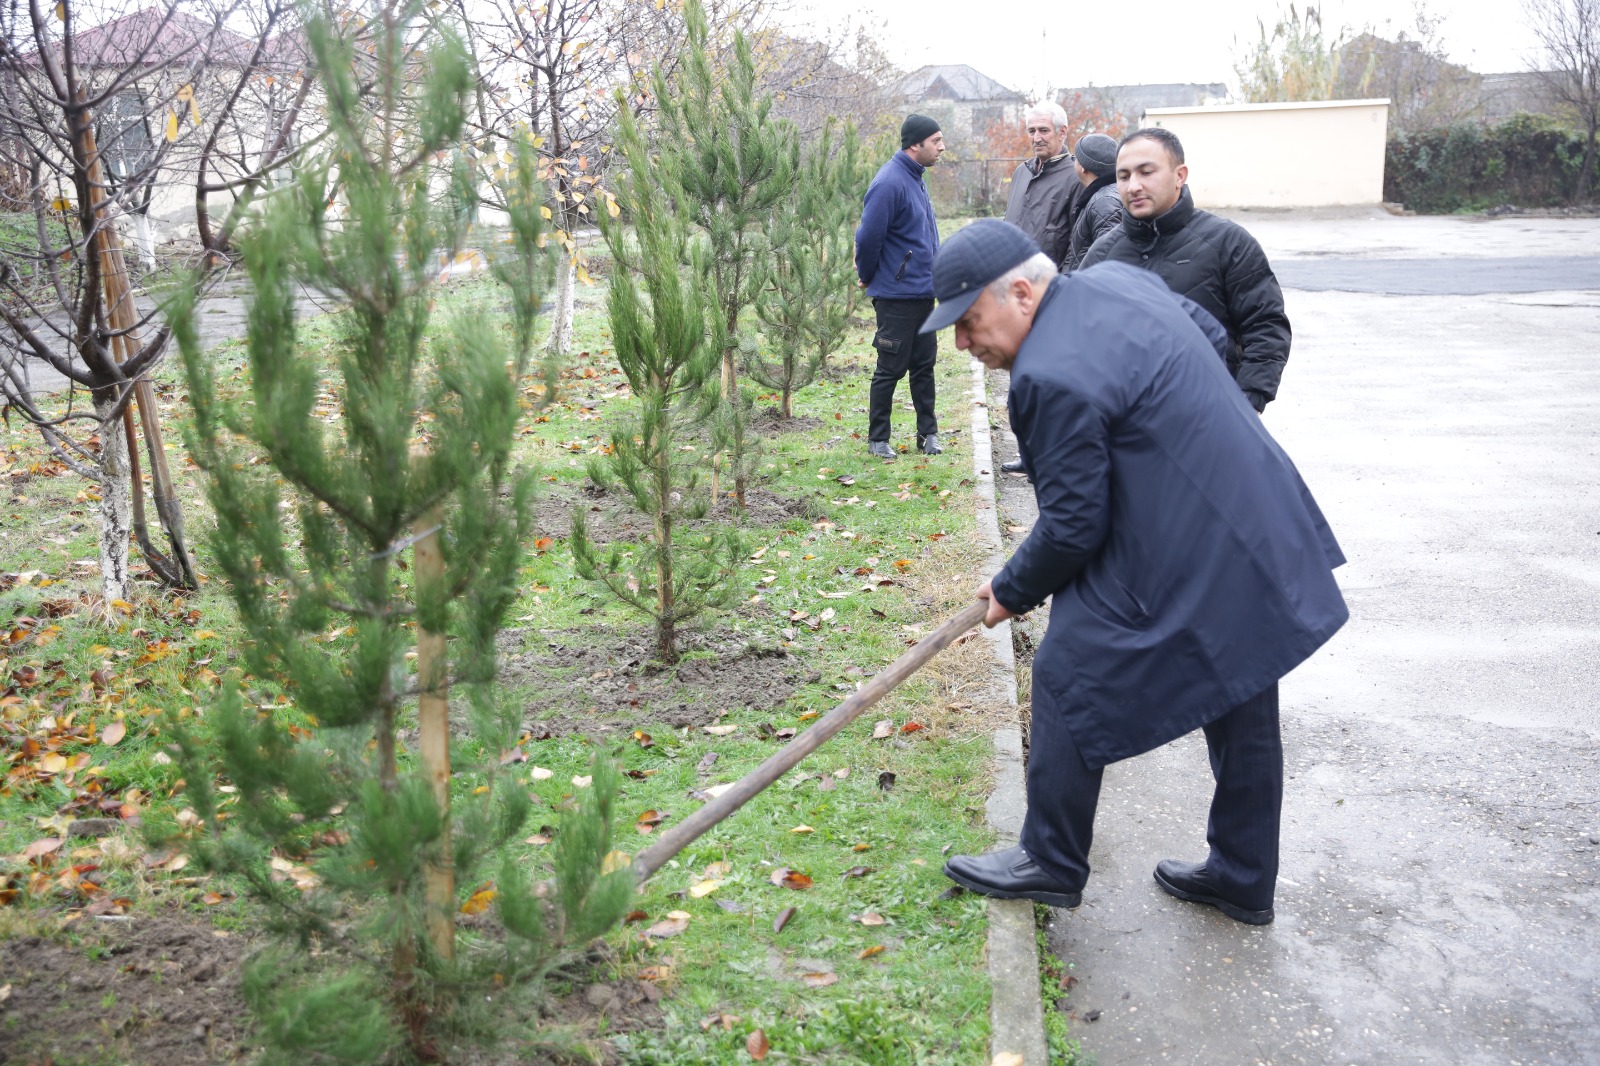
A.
x: 1527, y: 161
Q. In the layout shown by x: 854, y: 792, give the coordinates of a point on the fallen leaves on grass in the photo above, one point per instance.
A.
x: 869, y: 918
x: 727, y: 1021
x: 674, y: 923
x: 802, y: 829
x: 720, y: 730
x: 113, y: 733
x: 757, y: 1045
x: 782, y: 919
x: 867, y: 953
x: 479, y: 901
x: 647, y: 822
x: 784, y: 877
x: 883, y: 729
x: 539, y: 773
x: 614, y: 861
x: 858, y: 871
x: 819, y: 980
x: 704, y: 888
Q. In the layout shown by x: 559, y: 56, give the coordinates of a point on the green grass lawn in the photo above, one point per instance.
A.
x: 876, y: 963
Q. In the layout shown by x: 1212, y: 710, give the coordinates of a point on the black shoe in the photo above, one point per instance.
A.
x: 1012, y: 466
x: 930, y: 445
x: 1009, y: 874
x: 880, y: 448
x: 1190, y: 881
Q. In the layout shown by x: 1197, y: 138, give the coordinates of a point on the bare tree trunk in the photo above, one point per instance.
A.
x: 560, y: 342
x: 116, y: 506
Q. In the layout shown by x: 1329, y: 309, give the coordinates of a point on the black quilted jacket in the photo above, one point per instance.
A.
x: 1218, y: 265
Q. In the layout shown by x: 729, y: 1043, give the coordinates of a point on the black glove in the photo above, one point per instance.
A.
x: 1258, y: 400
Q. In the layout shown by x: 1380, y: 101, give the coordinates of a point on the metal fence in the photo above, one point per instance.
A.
x: 971, y: 186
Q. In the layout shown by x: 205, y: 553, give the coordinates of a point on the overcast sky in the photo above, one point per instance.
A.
x: 1029, y: 45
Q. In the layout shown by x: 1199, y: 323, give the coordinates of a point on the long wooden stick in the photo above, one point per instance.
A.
x: 786, y: 758
x: 433, y: 727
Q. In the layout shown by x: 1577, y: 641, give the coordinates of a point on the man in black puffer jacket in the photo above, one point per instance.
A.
x: 1212, y: 261
x: 1101, y: 210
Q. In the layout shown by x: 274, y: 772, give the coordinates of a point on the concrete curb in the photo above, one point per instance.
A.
x: 1016, y: 1012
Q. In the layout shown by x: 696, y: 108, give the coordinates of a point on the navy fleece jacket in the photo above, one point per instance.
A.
x: 898, y: 237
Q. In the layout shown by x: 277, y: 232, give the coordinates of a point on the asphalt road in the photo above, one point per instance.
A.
x: 1441, y: 277
x: 1441, y: 843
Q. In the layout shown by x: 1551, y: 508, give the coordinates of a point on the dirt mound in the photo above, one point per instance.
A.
x: 159, y: 989
x: 594, y: 674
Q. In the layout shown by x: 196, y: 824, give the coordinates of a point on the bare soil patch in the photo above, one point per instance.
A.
x: 770, y: 420
x: 610, y: 518
x: 583, y: 678
x: 159, y: 989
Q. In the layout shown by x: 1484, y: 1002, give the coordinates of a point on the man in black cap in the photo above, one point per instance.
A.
x: 895, y: 245
x: 1100, y: 209
x: 1188, y: 568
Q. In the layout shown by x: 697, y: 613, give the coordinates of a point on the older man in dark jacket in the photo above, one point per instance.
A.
x: 1045, y: 190
x: 1214, y: 262
x: 1188, y: 568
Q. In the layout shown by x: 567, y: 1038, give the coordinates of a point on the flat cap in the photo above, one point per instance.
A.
x: 972, y: 258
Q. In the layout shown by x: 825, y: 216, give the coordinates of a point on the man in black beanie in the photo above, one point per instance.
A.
x: 895, y: 245
x: 1101, y: 210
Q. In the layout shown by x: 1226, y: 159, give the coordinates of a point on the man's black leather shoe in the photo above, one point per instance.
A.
x: 1012, y: 466
x: 1009, y: 874
x: 1190, y: 881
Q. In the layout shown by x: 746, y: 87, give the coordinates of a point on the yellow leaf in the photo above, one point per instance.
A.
x: 53, y: 763
x: 614, y: 861
x: 545, y: 211
x: 61, y: 12
x: 867, y: 953
x: 194, y: 111
x: 802, y: 829
x: 479, y: 901
x: 113, y: 733
x: 704, y: 888
x: 583, y: 276
x: 612, y: 209
x: 185, y: 93
x: 172, y: 127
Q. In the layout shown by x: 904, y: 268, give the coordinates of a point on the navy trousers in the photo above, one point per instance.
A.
x: 1246, y: 761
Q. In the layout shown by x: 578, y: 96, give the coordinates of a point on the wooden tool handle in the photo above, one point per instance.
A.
x: 786, y: 758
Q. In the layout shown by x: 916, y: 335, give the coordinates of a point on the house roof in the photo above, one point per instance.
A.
x: 154, y: 37
x: 952, y: 81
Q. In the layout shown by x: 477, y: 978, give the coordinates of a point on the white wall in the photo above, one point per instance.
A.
x: 1282, y: 155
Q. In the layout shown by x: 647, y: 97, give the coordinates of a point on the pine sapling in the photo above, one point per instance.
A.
x: 319, y: 485
x: 666, y: 329
x: 811, y: 292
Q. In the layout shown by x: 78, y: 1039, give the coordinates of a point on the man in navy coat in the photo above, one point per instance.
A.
x: 1186, y: 564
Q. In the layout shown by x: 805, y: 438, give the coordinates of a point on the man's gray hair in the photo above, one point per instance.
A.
x: 1057, y: 113
x: 1036, y: 270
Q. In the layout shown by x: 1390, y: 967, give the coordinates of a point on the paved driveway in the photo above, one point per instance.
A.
x: 1439, y: 895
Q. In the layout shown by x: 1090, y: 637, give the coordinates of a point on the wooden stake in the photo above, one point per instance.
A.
x: 122, y: 317
x: 786, y: 758
x: 433, y: 725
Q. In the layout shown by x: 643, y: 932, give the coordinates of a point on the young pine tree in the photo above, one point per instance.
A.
x: 811, y: 287
x: 315, y: 513
x: 667, y: 331
x: 730, y: 163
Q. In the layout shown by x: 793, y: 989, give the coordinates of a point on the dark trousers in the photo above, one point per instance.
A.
x: 901, y: 351
x: 1246, y: 761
